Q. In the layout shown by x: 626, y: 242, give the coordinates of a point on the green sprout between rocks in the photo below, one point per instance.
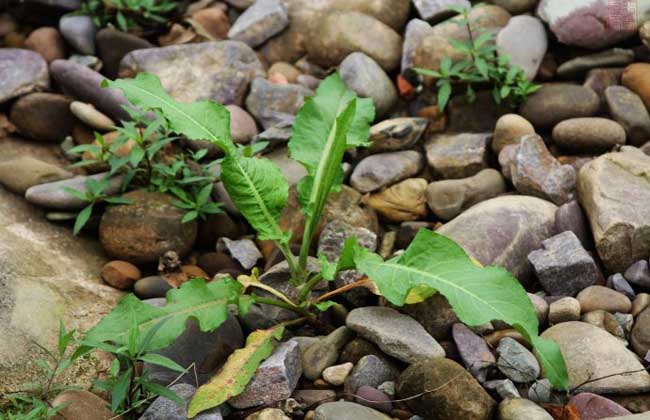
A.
x: 482, y: 66
x: 328, y: 124
x: 129, y: 15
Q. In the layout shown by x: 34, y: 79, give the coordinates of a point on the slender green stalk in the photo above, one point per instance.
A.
x: 296, y: 272
x: 284, y: 305
x: 306, y: 288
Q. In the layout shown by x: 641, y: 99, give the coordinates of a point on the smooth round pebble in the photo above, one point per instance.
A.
x: 564, y: 310
x: 593, y: 298
x: 588, y: 135
x: 91, y: 116
x: 336, y: 375
x: 120, y: 274
x: 151, y: 287
x: 509, y: 129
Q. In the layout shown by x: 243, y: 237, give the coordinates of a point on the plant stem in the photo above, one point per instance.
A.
x: 359, y: 283
x: 290, y: 258
x: 304, y: 247
x: 306, y: 288
x: 284, y: 305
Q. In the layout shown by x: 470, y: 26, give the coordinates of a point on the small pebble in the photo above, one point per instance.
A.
x: 564, y: 310
x: 120, y: 274
x: 336, y: 375
x: 638, y: 273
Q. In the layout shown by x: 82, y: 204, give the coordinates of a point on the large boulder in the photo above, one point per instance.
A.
x: 220, y: 71
x: 614, y: 192
x: 46, y: 276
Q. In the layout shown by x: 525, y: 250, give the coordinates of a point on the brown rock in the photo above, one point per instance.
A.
x: 556, y: 102
x: 43, y: 116
x: 599, y: 297
x: 120, y: 274
x: 287, y: 70
x: 641, y: 301
x: 23, y: 172
x: 640, y: 337
x: 509, y: 130
x: 588, y: 135
x: 457, y: 155
x: 404, y: 201
x: 48, y: 42
x: 212, y: 22
x: 635, y: 78
x: 83, y: 405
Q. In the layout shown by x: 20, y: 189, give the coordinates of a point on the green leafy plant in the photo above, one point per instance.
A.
x: 328, y: 124
x: 482, y: 66
x: 129, y: 15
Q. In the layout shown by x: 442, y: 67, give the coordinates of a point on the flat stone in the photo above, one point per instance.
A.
x: 244, y: 251
x: 43, y: 116
x: 367, y: 79
x: 396, y: 334
x: 91, y: 116
x: 52, y: 195
x: 503, y: 231
x: 620, y: 284
x: 569, y: 216
x: 609, y: 58
x: 48, y: 42
x: 22, y: 173
x: 385, y: 169
x: 588, y: 135
x: 556, y: 102
x: 590, y: 352
x: 516, y: 362
x: 371, y: 371
x: 324, y: 353
x: 627, y: 108
x: 272, y: 104
x: 21, y: 72
x: 396, y: 134
x: 457, y: 155
x: 474, y: 351
x: 563, y: 266
x: 504, y: 387
x: 594, y: 407
x: 220, y: 71
x: 335, y: 234
x: 521, y: 408
x: 337, y: 374
x: 536, y: 172
x: 151, y: 287
x: 259, y: 22
x: 594, y: 298
x: 163, y: 408
x: 619, y: 224
x: 81, y: 404
x: 274, y: 380
x: 343, y: 410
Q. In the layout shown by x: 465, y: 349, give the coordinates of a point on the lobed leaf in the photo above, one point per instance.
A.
x: 477, y: 295
x: 237, y: 372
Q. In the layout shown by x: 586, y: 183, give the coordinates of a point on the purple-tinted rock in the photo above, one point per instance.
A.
x: 435, y: 10
x: 259, y: 22
x: 618, y: 283
x: 273, y: 104
x: 474, y: 351
x: 373, y: 398
x: 638, y: 273
x: 415, y: 31
x: 627, y: 108
x: 21, y: 72
x: 563, y: 267
x: 595, y: 407
x: 569, y: 216
x: 113, y: 45
x: 523, y: 40
x: 371, y: 371
x: 385, y: 169
x: 457, y: 155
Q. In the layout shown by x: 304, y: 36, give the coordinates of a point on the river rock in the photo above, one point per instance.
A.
x: 593, y: 407
x: 113, y: 45
x: 371, y: 370
x: 272, y: 104
x: 343, y: 410
x: 164, y: 408
x: 220, y: 71
x: 21, y: 72
x: 43, y: 116
x: 404, y: 201
x: 619, y: 224
x: 516, y: 362
x: 509, y: 129
x: 385, y: 169
x: 640, y: 337
x: 594, y: 298
x: 523, y: 39
x: 259, y: 22
x: 627, y: 108
x: 503, y: 231
x: 337, y: 37
x: 569, y: 216
x: 81, y: 404
x: 585, y: 23
x: 638, y: 273
x: 563, y: 266
x: 606, y: 321
x: 474, y: 351
x: 333, y: 237
x: 608, y: 58
x: 151, y: 287
x: 367, y: 79
x: 588, y: 135
x: 536, y: 172
x: 521, y: 408
x: 52, y: 195
x: 414, y: 33
x: 125, y: 236
x: 591, y: 352
x: 458, y: 394
x: 436, y: 10
x: 91, y: 117
x: 48, y: 42
x: 274, y: 380
x: 457, y: 155
x: 396, y: 134
x: 21, y: 173
x: 84, y: 84
x: 324, y: 353
x: 396, y: 334
x: 635, y: 78
x: 556, y: 102
x: 448, y: 198
x: 79, y: 31
x: 336, y: 374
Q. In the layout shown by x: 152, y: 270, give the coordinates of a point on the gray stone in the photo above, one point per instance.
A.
x: 619, y: 283
x: 521, y: 408
x: 52, y: 195
x: 243, y: 250
x: 449, y: 197
x: 503, y: 231
x: 151, y: 287
x: 639, y: 273
x: 163, y: 408
x: 627, y: 108
x: 563, y: 267
x: 523, y: 40
x: 367, y: 79
x: 609, y: 58
x: 396, y: 134
x: 79, y: 31
x: 457, y: 155
x: 619, y: 223
x: 272, y: 104
x: 21, y: 72
x: 436, y: 10
x: 343, y: 410
x: 274, y: 380
x: 516, y: 362
x: 324, y: 353
x: 259, y: 22
x: 504, y: 387
x: 569, y: 216
x: 220, y: 71
x: 536, y: 172
x: 84, y: 84
x: 113, y: 45
x: 591, y: 352
x: 385, y: 169
x: 371, y: 371
x: 333, y: 237
x: 415, y: 31
x: 396, y: 334
x: 474, y: 351
x: 540, y: 391
x: 556, y: 102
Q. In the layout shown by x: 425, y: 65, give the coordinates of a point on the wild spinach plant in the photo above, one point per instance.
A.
x: 329, y: 123
x: 482, y: 66
x: 129, y: 15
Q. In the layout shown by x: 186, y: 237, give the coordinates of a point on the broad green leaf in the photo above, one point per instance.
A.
x: 344, y: 262
x: 203, y: 120
x: 443, y: 95
x: 477, y: 295
x: 160, y: 360
x: 207, y: 303
x: 82, y: 219
x: 237, y: 372
x: 260, y: 192
x: 164, y: 392
x: 120, y: 389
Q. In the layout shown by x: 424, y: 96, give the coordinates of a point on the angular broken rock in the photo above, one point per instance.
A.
x: 260, y: 22
x: 474, y: 351
x: 274, y: 380
x: 396, y: 134
x: 536, y: 172
x: 457, y: 155
x: 563, y: 266
x: 242, y: 250
x: 614, y: 192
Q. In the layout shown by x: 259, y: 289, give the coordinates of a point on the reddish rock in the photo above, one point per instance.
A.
x: 120, y: 274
